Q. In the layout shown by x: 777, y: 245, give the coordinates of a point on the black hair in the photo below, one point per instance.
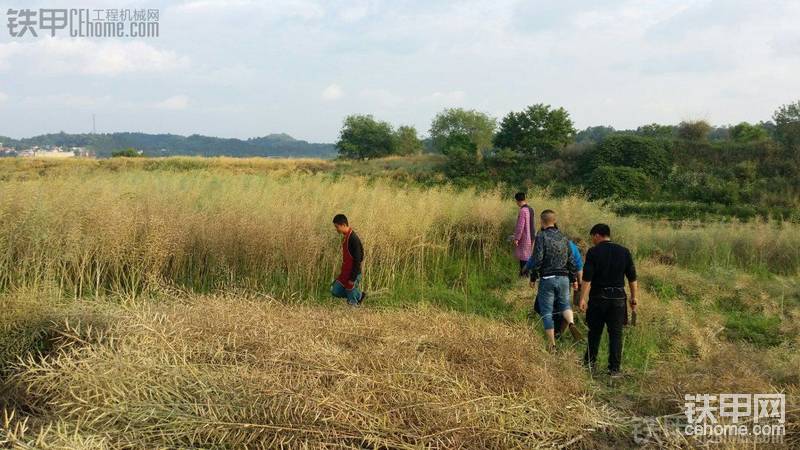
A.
x: 519, y: 196
x: 340, y: 219
x: 547, y: 212
x: 600, y: 229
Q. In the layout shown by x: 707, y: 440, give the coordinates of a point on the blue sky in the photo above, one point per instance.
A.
x: 245, y: 68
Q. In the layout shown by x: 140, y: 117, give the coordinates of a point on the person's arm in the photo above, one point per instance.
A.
x: 572, y: 266
x: 586, y: 286
x: 535, y: 263
x: 522, y: 222
x: 630, y: 274
x: 357, y: 252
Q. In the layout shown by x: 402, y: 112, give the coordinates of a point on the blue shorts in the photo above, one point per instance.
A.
x: 553, y: 298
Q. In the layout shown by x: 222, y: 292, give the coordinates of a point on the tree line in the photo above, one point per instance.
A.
x: 683, y: 170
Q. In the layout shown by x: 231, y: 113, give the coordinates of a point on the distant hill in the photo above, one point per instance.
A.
x: 275, y: 145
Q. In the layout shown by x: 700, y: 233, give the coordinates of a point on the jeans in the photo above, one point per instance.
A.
x: 606, y: 312
x: 352, y: 295
x: 558, y: 319
x: 553, y: 295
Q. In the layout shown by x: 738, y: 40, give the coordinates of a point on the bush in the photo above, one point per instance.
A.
x: 129, y: 152
x: 745, y: 132
x: 694, y: 131
x: 617, y: 182
x: 463, y: 163
x: 647, y: 154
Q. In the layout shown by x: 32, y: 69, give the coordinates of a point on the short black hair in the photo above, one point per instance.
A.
x: 340, y: 219
x: 600, y: 229
x: 519, y: 196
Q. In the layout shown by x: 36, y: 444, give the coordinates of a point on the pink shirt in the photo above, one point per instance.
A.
x: 522, y: 233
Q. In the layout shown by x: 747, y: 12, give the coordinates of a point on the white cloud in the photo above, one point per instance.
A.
x: 89, y: 57
x: 66, y: 100
x: 445, y: 98
x: 383, y: 98
x: 7, y: 51
x: 174, y: 103
x: 254, y: 9
x: 332, y: 92
x: 3, y: 97
x: 356, y: 11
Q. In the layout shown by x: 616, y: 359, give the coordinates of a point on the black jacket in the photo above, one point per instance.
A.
x: 357, y: 252
x: 551, y: 256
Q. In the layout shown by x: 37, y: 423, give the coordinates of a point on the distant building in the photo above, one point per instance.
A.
x: 7, y: 151
x: 82, y: 152
x: 53, y: 152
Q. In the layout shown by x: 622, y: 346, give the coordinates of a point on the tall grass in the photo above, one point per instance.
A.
x: 131, y: 229
x: 238, y: 369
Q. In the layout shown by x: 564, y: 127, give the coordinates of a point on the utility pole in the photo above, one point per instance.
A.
x: 94, y: 124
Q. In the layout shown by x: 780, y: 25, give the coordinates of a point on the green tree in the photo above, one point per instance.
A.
x: 646, y: 154
x: 694, y: 130
x: 594, y: 134
x: 787, y: 125
x: 745, y: 132
x: 655, y: 130
x: 538, y: 131
x: 364, y: 137
x: 468, y: 130
x: 129, y: 152
x: 618, y: 182
x: 407, y: 141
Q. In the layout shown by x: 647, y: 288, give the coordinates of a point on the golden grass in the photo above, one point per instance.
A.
x: 260, y: 374
x: 81, y: 241
x: 128, y: 230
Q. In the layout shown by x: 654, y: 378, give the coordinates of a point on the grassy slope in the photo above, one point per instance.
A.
x: 719, y: 314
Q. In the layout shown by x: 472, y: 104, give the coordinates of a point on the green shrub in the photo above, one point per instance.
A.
x: 694, y: 130
x: 129, y: 152
x: 757, y: 329
x: 617, y: 182
x: 647, y: 154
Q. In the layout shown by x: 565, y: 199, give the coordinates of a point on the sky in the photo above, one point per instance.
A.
x: 247, y: 68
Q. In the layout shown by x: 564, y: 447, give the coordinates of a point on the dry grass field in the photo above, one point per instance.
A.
x: 183, y: 303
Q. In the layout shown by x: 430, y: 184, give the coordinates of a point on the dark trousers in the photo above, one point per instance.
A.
x: 602, y: 313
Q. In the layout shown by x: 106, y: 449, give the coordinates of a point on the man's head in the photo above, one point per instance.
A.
x: 548, y: 218
x: 340, y: 223
x: 520, y: 198
x: 600, y: 232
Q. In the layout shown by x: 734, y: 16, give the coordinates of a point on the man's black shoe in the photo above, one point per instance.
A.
x: 361, y: 299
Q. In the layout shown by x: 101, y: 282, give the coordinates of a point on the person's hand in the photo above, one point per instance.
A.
x: 633, y: 304
x: 516, y: 242
x: 574, y: 285
x: 350, y: 285
x: 583, y: 306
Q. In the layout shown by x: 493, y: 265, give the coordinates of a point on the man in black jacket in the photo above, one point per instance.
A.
x: 603, y: 295
x: 553, y: 264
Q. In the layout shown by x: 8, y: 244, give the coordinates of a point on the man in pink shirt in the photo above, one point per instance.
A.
x: 524, y: 232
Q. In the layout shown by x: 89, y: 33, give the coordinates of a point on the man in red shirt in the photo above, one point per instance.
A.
x: 348, y: 283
